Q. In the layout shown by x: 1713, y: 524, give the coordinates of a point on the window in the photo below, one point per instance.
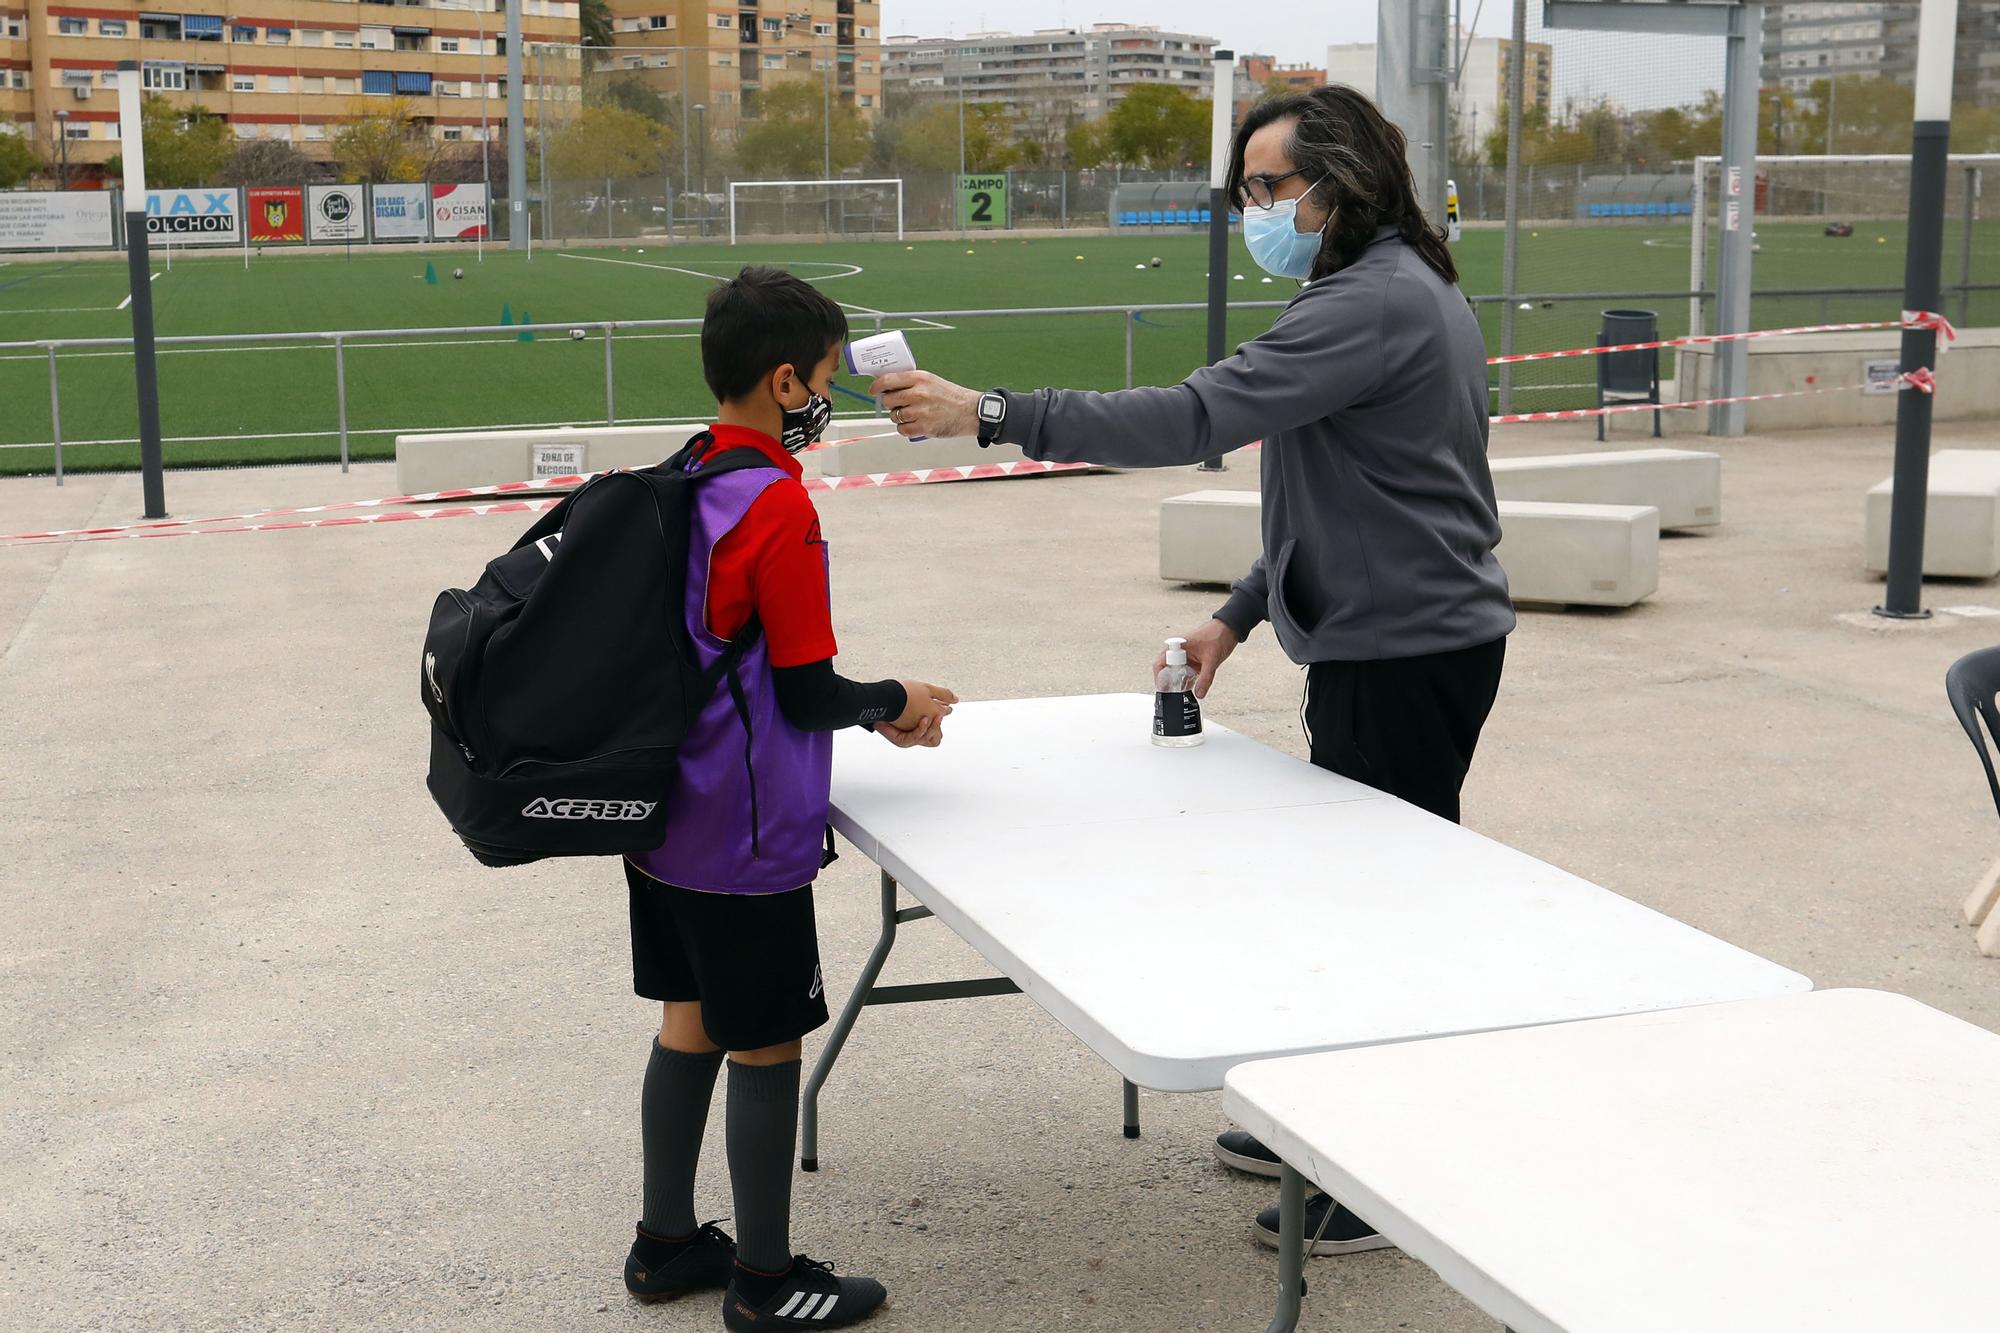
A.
x: 822, y: 30
x: 242, y: 32
x: 314, y: 132
x: 312, y: 85
x: 11, y: 28
x: 163, y: 78
x: 343, y: 38
x: 278, y: 36
x: 774, y: 25
x: 76, y: 78
x: 160, y: 29
x: 312, y: 36
x: 724, y: 21
x: 660, y: 21
x: 774, y: 62
x: 111, y: 27
x: 451, y: 88
x: 866, y: 32
x: 867, y: 67
x: 453, y: 133
x: 448, y: 45
x: 109, y: 78
x: 377, y: 39
x: 73, y: 27
x: 278, y: 83
x: 343, y: 85
x: 243, y: 83
x: 635, y: 62
x: 72, y: 131
x: 378, y: 81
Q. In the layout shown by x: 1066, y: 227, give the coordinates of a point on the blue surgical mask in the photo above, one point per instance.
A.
x: 1279, y: 248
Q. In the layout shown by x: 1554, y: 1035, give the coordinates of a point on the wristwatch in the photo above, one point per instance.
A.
x: 992, y: 412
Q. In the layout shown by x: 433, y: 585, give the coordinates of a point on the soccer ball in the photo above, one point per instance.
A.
x: 458, y: 273
x: 576, y: 335
x: 1156, y: 261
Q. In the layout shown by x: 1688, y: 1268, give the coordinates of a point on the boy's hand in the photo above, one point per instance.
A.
x: 927, y: 707
x: 928, y: 736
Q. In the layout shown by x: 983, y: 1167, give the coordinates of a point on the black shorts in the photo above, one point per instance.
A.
x: 751, y: 959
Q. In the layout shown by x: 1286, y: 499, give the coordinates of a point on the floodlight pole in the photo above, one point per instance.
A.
x: 1221, y: 126
x: 139, y: 267
x: 517, y: 136
x: 1937, y: 34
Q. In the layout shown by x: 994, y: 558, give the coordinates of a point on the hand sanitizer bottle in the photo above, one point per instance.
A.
x: 1176, y: 712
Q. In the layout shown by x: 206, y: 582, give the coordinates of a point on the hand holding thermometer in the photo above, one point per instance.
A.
x: 879, y: 354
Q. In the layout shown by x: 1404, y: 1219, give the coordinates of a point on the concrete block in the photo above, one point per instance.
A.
x: 1570, y: 554
x: 893, y: 453
x: 1579, y: 554
x: 457, y: 459
x: 1961, y: 516
x: 1685, y: 485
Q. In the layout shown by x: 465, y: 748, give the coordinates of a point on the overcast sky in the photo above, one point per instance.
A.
x: 1640, y: 74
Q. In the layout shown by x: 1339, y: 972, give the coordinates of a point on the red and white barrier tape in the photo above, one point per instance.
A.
x: 255, y: 522
x: 1912, y: 319
x: 1920, y: 379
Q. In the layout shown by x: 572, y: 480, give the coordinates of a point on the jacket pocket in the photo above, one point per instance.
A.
x: 1284, y: 614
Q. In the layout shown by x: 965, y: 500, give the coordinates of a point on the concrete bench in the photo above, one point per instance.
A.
x: 456, y: 459
x: 1961, y: 516
x: 1685, y: 485
x: 1559, y: 554
x: 893, y: 453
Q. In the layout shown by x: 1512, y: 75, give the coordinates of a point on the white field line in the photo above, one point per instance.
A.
x: 852, y: 270
x: 64, y: 310
x: 497, y: 340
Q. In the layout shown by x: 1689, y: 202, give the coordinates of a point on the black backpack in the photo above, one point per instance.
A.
x: 562, y: 684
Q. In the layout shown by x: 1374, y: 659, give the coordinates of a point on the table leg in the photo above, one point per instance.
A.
x: 1291, y: 1249
x: 835, y: 1039
x: 1131, y: 1109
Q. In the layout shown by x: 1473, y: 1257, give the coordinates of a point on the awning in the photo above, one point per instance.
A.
x: 209, y: 69
x: 407, y: 82
x: 412, y: 32
x: 202, y: 25
x: 144, y: 17
x: 377, y: 81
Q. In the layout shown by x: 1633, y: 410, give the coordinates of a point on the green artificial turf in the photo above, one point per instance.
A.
x: 284, y: 394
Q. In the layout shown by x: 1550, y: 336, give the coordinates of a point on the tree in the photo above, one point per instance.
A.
x: 608, y: 143
x: 382, y: 144
x: 266, y: 162
x: 18, y: 159
x: 631, y: 92
x: 929, y: 140
x: 1156, y: 125
x: 1086, y: 145
x: 789, y: 139
x: 182, y: 147
x: 596, y: 29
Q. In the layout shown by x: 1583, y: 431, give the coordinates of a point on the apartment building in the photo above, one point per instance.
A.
x: 723, y: 58
x: 1051, y: 77
x: 1808, y: 42
x: 278, y: 69
x: 1480, y: 99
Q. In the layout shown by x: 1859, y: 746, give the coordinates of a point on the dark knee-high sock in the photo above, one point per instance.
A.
x: 763, y: 1120
x: 673, y: 1112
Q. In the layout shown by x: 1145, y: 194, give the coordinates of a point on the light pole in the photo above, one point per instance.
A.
x: 62, y: 134
x: 701, y: 159
x: 139, y: 266
x: 1778, y: 123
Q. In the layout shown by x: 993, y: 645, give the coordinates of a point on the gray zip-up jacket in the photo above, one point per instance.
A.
x: 1369, y: 393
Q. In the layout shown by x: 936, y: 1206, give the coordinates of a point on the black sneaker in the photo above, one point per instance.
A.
x: 1242, y: 1151
x: 1343, y: 1233
x: 808, y: 1295
x: 658, y: 1269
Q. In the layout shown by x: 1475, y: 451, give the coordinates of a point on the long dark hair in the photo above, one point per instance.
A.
x: 1343, y: 137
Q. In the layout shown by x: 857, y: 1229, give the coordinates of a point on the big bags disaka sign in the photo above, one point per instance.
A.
x: 194, y: 217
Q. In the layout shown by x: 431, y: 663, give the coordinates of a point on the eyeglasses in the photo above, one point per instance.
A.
x: 1260, y: 191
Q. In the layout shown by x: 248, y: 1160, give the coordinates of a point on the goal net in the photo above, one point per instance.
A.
x: 1804, y: 206
x: 820, y: 209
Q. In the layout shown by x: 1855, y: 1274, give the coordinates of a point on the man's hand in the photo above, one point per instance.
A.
x: 1207, y: 648
x: 922, y: 404
x: 922, y: 719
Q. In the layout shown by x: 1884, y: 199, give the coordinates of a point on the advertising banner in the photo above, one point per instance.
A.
x: 277, y: 213
x: 336, y: 214
x: 399, y: 211
x: 194, y: 217
x: 458, y: 212
x: 55, y: 219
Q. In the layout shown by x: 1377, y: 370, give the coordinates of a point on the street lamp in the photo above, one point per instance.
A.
x: 701, y: 158
x: 62, y: 134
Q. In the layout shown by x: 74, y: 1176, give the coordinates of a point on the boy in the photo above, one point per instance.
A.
x: 722, y: 912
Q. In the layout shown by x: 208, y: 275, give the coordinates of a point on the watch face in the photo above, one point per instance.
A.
x: 991, y: 408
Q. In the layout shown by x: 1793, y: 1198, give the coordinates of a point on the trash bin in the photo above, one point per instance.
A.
x: 1628, y: 376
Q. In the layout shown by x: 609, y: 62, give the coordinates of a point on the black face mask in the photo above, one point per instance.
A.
x: 803, y: 425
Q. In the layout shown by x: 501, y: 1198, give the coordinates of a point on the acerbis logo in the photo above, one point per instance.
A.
x: 431, y: 671
x: 563, y: 807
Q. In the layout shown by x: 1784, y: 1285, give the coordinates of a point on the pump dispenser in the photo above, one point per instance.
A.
x: 1176, y: 712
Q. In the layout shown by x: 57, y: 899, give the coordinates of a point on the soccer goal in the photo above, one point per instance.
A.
x: 828, y: 208
x: 1854, y: 190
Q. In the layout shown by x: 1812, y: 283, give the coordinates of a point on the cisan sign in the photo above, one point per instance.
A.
x: 194, y: 217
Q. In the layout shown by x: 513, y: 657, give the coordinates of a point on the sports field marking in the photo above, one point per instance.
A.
x: 846, y: 270
x: 493, y: 340
x: 128, y: 296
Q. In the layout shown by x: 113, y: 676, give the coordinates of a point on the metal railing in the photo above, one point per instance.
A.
x: 339, y: 340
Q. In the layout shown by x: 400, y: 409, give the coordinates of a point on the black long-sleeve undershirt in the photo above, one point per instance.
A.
x: 814, y: 698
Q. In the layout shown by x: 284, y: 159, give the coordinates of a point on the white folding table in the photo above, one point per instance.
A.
x: 1183, y: 911
x: 1816, y: 1162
